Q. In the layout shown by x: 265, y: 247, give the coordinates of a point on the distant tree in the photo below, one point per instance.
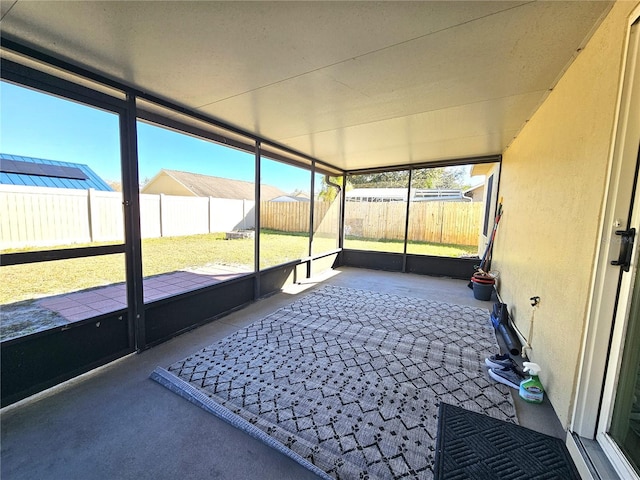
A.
x: 299, y: 193
x: 328, y: 193
x: 449, y: 178
x: 439, y: 177
x: 380, y: 180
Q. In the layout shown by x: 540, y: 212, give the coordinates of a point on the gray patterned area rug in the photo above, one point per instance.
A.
x: 348, y: 382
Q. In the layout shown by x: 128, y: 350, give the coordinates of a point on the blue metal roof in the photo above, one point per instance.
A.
x: 71, y: 175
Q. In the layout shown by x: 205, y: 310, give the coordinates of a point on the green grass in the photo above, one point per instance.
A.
x: 418, y: 248
x: 162, y: 255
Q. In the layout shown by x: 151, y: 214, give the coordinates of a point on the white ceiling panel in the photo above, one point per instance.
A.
x: 355, y: 84
x: 221, y: 49
x: 369, y: 144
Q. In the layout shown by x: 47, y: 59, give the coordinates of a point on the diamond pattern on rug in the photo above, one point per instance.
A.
x: 351, y: 380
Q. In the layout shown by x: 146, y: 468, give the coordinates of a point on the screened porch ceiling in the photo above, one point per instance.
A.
x: 354, y: 84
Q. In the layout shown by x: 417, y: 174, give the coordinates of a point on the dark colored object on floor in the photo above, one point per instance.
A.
x: 474, y: 446
x: 500, y: 321
x: 499, y: 314
x: 500, y: 361
x: 482, y: 286
x: 482, y: 291
x: 510, y: 339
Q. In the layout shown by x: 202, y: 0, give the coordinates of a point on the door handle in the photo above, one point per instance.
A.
x: 626, y: 244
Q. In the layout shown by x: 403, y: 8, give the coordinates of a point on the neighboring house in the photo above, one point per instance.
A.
x: 377, y: 195
x: 291, y: 198
x: 476, y: 194
x: 400, y: 195
x: 38, y: 172
x: 173, y: 182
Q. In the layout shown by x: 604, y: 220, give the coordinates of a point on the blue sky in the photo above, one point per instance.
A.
x: 34, y: 124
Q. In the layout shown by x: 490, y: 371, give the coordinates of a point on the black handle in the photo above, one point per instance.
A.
x: 626, y: 242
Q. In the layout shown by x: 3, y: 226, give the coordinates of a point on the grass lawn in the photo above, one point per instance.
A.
x: 162, y: 255
x: 417, y: 248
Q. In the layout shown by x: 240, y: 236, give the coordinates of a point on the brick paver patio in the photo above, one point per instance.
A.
x: 96, y: 301
x: 24, y: 318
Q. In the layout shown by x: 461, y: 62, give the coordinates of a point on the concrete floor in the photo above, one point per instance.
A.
x: 116, y: 423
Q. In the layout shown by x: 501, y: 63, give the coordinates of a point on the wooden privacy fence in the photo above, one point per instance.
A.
x: 456, y: 223
x: 36, y: 216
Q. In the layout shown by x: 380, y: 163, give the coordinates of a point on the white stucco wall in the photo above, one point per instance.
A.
x: 553, y: 183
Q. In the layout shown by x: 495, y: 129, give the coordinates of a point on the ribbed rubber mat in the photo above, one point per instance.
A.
x: 475, y: 446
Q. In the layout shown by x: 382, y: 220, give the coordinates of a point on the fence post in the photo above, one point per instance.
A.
x: 210, y: 213
x: 441, y: 209
x: 244, y: 214
x: 90, y: 193
x: 161, y: 216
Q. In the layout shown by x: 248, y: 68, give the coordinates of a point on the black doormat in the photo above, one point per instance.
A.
x: 475, y: 446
